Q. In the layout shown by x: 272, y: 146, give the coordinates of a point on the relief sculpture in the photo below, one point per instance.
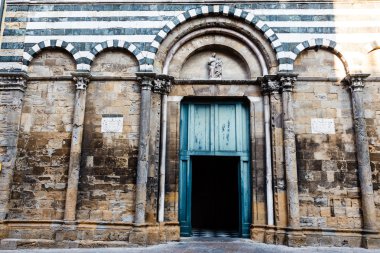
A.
x: 215, y: 66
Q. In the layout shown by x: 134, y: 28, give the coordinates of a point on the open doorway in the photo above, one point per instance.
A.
x: 215, y: 196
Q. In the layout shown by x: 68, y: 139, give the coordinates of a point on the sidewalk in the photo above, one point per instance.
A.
x: 205, y: 245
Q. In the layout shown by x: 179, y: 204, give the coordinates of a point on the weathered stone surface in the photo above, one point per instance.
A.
x: 326, y: 185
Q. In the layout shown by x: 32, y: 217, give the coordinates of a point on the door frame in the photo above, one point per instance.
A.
x: 185, y: 178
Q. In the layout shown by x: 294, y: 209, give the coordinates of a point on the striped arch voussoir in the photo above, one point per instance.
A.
x: 224, y: 10
x: 318, y: 43
x: 34, y: 50
x: 84, y: 63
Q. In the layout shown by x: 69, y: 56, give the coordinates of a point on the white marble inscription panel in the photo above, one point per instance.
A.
x: 113, y: 124
x: 322, y: 126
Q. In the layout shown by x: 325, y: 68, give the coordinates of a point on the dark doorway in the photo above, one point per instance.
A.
x: 215, y: 195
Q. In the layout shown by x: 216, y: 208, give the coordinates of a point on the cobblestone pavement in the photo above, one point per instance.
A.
x: 205, y: 245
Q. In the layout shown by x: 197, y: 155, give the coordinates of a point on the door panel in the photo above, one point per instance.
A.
x: 214, y: 129
x: 226, y: 128
x: 200, y: 135
x: 185, y: 197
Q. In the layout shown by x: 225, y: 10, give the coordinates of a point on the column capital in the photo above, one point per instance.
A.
x: 270, y: 84
x: 356, y: 81
x: 13, y: 81
x: 162, y: 84
x: 81, y: 79
x: 287, y: 81
x: 146, y: 80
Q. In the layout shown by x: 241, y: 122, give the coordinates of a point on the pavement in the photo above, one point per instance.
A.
x: 205, y: 245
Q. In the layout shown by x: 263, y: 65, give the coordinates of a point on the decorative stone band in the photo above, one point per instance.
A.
x: 224, y: 10
x: 356, y: 81
x: 287, y: 81
x: 163, y: 84
x: 81, y: 79
x: 270, y: 84
x: 13, y: 81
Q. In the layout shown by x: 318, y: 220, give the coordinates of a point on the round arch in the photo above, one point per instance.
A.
x: 219, y: 11
x: 319, y: 43
x: 35, y: 49
x: 223, y: 31
x: 84, y: 63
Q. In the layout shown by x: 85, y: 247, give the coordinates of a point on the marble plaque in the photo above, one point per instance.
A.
x: 112, y: 124
x: 322, y: 126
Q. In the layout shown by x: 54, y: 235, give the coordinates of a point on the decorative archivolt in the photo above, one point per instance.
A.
x: 247, y: 17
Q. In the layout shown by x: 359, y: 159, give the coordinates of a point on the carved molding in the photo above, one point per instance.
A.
x: 287, y: 81
x: 270, y: 84
x: 162, y: 84
x: 82, y: 79
x: 146, y: 80
x: 13, y: 81
x: 157, y: 83
x: 356, y: 81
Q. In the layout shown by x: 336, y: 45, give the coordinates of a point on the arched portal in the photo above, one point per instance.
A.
x: 215, y: 118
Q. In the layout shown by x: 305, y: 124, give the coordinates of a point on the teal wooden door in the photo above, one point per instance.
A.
x: 214, y: 129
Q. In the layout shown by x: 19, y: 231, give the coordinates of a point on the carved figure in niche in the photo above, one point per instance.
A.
x: 215, y: 66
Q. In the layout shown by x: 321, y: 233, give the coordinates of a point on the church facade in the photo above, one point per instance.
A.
x: 141, y: 122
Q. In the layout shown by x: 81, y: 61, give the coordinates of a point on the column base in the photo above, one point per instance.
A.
x: 295, y: 239
x: 138, y: 235
x: 3, y: 230
x: 144, y: 234
x: 67, y: 232
x: 371, y: 241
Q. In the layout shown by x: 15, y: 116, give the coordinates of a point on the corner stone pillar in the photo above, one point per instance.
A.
x: 81, y: 82
x: 356, y: 84
x: 12, y: 87
x: 146, y: 83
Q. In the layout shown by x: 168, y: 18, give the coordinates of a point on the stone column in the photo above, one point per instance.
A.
x: 356, y: 84
x: 162, y: 85
x: 287, y: 81
x: 81, y: 82
x: 146, y: 82
x: 266, y: 89
x: 277, y: 138
x: 12, y: 87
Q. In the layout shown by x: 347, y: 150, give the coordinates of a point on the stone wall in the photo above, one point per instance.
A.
x: 109, y: 160
x: 327, y: 165
x: 40, y: 175
x: 372, y: 116
x: 251, y: 46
